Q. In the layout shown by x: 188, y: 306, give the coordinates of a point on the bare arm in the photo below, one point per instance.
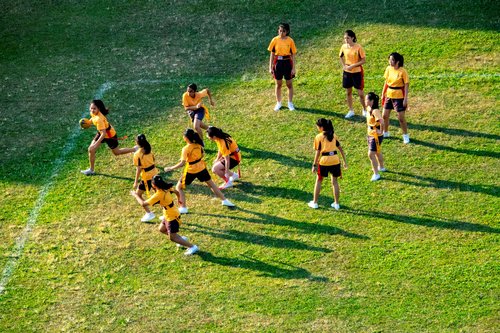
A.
x: 271, y: 62
x: 141, y: 202
x: 210, y: 99
x: 177, y: 166
x: 293, y: 64
x: 315, y: 162
x: 405, y: 97
x: 343, y: 156
x: 137, y: 175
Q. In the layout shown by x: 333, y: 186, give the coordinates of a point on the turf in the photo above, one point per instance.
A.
x: 415, y: 252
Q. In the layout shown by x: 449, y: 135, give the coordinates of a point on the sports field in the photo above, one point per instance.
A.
x: 417, y: 251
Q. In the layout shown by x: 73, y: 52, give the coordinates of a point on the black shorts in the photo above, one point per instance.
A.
x: 142, y: 185
x: 232, y: 163
x: 372, y: 145
x: 203, y: 176
x: 172, y: 226
x: 111, y: 142
x: 355, y: 80
x: 283, y: 68
x: 198, y: 114
x: 334, y: 170
x: 394, y: 104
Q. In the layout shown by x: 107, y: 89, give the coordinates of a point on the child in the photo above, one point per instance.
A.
x: 192, y: 158
x: 375, y: 124
x: 144, y: 160
x: 228, y: 156
x: 282, y: 63
x: 191, y: 100
x: 171, y: 219
x: 395, y: 94
x: 326, y: 160
x: 105, y: 133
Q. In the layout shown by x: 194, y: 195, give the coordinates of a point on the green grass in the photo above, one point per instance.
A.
x: 415, y: 252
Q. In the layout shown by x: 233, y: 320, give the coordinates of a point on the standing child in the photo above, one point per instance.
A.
x: 105, y: 133
x: 352, y: 57
x: 327, y: 161
x: 195, y: 168
x: 171, y: 219
x: 282, y: 63
x: 228, y: 156
x: 375, y: 123
x: 144, y: 161
x: 395, y: 94
x: 191, y: 100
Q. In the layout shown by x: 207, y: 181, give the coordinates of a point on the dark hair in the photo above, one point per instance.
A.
x: 193, y: 86
x: 327, y: 126
x: 218, y: 133
x: 161, y: 184
x: 351, y: 34
x: 286, y: 27
x: 398, y: 58
x: 143, y: 143
x: 373, y: 97
x: 193, y: 136
x: 100, y: 106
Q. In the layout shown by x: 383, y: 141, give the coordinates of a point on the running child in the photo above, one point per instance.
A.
x: 192, y: 102
x: 105, y: 133
x: 171, y: 219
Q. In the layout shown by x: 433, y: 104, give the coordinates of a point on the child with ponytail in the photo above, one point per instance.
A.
x: 327, y: 161
x: 228, y: 156
x: 375, y: 123
x: 171, y: 219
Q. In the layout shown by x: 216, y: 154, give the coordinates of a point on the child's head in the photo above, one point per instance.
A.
x: 192, y: 89
x: 349, y: 34
x: 372, y: 100
x: 158, y: 182
x: 397, y: 59
x: 285, y: 27
x: 143, y: 143
x: 98, y: 106
x: 326, y: 126
x: 192, y: 136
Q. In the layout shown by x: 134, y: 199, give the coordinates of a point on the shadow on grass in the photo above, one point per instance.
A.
x: 309, y: 228
x: 493, y: 154
x: 267, y: 270
x: 445, y: 184
x: 247, y: 237
x: 429, y: 222
x: 99, y: 174
x: 269, y: 155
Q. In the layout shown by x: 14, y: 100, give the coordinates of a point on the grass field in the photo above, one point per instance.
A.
x: 416, y: 252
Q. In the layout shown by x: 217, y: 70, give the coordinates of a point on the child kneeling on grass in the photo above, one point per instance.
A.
x: 171, y: 219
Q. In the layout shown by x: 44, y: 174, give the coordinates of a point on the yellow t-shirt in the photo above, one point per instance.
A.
x: 224, y: 151
x: 371, y: 121
x: 322, y: 144
x: 193, y: 152
x: 352, y: 55
x: 101, y: 123
x: 396, y: 78
x: 145, y: 161
x: 190, y: 101
x: 164, y: 198
x: 282, y: 47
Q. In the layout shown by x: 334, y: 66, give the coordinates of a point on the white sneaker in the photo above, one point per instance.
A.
x: 349, y: 114
x: 375, y: 177
x: 88, y: 172
x: 277, y: 107
x: 227, y: 184
x: 291, y: 107
x: 148, y: 217
x: 387, y: 134
x: 183, y: 237
x: 227, y: 203
x: 313, y: 204
x: 192, y: 250
x: 382, y: 169
x: 234, y: 177
x: 335, y: 205
x: 364, y: 113
x: 183, y: 210
x: 406, y: 138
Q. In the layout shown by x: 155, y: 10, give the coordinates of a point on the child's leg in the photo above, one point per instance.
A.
x: 336, y: 189
x: 317, y: 188
x: 182, y: 196
x: 215, y: 189
x: 140, y: 193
